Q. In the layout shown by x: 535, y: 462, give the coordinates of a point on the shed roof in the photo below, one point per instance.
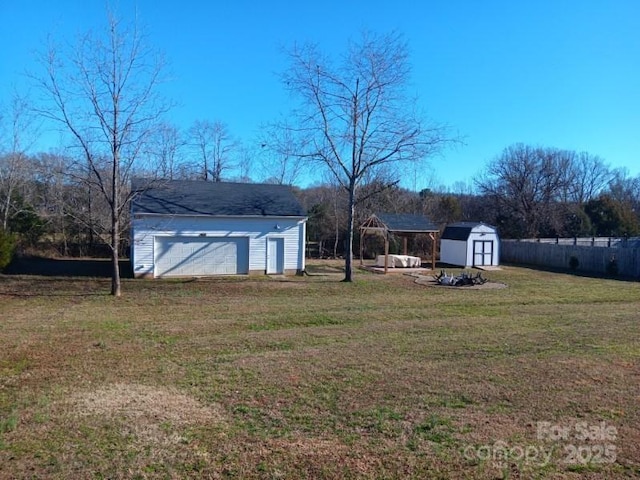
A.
x: 401, y: 222
x: 461, y: 230
x: 199, y: 197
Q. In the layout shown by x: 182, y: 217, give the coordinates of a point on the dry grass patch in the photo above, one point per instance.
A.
x: 142, y: 403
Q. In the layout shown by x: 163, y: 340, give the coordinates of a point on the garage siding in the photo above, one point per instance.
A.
x: 146, y: 228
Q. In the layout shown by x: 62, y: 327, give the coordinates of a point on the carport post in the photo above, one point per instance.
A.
x: 433, y: 236
x: 386, y: 253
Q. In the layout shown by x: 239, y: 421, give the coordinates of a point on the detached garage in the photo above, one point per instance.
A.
x: 186, y: 228
x: 469, y: 244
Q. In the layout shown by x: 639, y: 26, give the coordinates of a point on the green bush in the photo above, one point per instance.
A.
x: 612, y: 266
x: 28, y: 226
x: 7, y: 248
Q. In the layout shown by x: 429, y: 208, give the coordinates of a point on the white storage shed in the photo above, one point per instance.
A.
x: 470, y: 244
x: 184, y: 228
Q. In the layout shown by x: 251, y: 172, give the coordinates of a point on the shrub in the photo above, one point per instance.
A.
x: 7, y: 248
x: 27, y: 225
x: 574, y: 263
x: 612, y: 266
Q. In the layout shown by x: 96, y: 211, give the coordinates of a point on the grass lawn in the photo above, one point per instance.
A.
x: 308, y: 377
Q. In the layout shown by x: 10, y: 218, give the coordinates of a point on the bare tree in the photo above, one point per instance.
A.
x: 626, y: 190
x: 18, y: 131
x: 52, y: 197
x: 590, y: 176
x: 525, y: 183
x: 214, y: 146
x: 462, y: 188
x: 355, y: 116
x: 244, y: 165
x: 13, y: 168
x: 165, y: 152
x: 326, y: 206
x: 279, y: 155
x: 103, y: 92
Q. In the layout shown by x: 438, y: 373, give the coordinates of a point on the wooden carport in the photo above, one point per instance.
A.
x: 403, y: 225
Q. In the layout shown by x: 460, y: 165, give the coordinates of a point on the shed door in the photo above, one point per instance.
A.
x: 275, y: 255
x: 482, y: 252
x: 200, y: 256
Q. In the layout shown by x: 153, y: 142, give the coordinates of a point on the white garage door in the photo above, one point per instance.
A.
x: 200, y: 256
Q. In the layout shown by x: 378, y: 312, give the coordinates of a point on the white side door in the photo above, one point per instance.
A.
x: 275, y: 256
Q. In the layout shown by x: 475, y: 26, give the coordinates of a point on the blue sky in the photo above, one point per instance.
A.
x: 556, y: 73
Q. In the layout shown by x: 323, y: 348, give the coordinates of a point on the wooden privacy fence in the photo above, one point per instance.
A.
x: 622, y: 259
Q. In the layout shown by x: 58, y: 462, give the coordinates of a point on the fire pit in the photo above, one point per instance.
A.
x: 462, y: 280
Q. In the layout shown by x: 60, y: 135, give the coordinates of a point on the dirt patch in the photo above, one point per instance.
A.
x: 430, y: 281
x: 137, y: 402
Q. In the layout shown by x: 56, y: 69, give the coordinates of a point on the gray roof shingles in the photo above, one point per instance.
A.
x: 460, y: 230
x: 199, y: 197
x: 407, y: 222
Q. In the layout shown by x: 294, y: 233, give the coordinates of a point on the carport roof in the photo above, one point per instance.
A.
x: 199, y: 197
x: 400, y: 223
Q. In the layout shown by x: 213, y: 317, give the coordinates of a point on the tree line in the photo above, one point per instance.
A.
x: 526, y: 192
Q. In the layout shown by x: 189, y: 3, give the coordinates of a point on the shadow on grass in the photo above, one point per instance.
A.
x: 66, y: 277
x: 576, y: 273
x: 44, y: 288
x: 67, y: 267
